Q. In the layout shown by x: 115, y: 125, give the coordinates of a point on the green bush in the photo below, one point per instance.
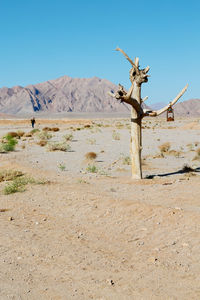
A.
x: 19, y: 183
x: 92, y: 169
x: 8, y: 143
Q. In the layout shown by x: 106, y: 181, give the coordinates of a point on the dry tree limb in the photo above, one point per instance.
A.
x: 144, y: 99
x: 162, y: 110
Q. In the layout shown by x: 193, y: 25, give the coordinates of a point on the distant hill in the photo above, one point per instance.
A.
x: 64, y: 94
x: 188, y: 108
x: 67, y: 94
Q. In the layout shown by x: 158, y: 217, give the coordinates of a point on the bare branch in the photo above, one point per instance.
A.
x: 122, y: 95
x: 137, y: 62
x: 146, y: 70
x: 130, y: 60
x: 144, y: 99
x: 162, y: 110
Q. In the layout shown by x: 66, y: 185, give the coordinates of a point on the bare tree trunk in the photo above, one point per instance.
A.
x: 133, y: 98
x: 136, y: 139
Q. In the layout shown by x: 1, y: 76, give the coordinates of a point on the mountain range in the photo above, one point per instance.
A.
x: 66, y: 94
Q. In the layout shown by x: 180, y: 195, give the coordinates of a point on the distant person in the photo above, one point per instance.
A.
x: 33, y: 122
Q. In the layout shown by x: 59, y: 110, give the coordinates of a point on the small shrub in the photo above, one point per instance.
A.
x: 116, y: 136
x: 55, y: 129
x: 126, y: 160
x: 45, y: 135
x: 18, y: 184
x: 8, y: 144
x: 87, y: 126
x: 42, y: 143
x: 92, y: 169
x: 28, y: 134
x: 6, y: 175
x: 175, y: 153
x: 46, y: 129
x: 90, y: 155
x: 35, y: 130
x: 68, y: 137
x: 164, y: 148
x: 12, y: 134
x: 20, y: 133
x: 56, y: 146
x: 91, y: 141
x: 62, y: 167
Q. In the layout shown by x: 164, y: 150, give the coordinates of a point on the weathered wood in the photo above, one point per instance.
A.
x: 133, y: 98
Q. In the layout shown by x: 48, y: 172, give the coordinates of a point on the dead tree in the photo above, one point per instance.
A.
x: 133, y: 98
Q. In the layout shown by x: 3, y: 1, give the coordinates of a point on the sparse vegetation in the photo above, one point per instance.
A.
x: 56, y: 146
x: 6, y: 175
x: 68, y: 137
x: 19, y: 183
x: 92, y: 169
x: 45, y: 135
x: 175, y: 153
x: 126, y: 160
x: 7, y: 144
x: 62, y: 167
x: 17, y: 134
x: 91, y: 141
x: 35, y: 130
x: 116, y: 136
x: 164, y: 148
x: 42, y: 143
x: 90, y: 155
x: 12, y: 134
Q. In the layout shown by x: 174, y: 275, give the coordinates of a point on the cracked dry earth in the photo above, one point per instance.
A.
x: 91, y: 236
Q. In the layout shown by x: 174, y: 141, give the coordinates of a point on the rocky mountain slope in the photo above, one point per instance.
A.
x: 64, y: 94
x: 67, y: 94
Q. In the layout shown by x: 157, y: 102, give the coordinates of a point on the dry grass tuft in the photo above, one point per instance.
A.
x: 44, y: 135
x: 126, y: 160
x: 6, y: 175
x: 20, y: 133
x: 68, y: 137
x: 46, y: 129
x: 90, y: 155
x: 12, y: 134
x: 42, y: 143
x: 56, y: 146
x: 174, y: 153
x: 55, y: 129
x: 164, y: 148
x: 116, y: 136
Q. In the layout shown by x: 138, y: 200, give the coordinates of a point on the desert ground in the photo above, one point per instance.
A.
x: 81, y: 228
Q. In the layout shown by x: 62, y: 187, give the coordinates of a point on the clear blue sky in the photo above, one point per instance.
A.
x: 46, y: 39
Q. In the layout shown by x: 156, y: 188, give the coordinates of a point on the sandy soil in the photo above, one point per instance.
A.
x: 101, y: 235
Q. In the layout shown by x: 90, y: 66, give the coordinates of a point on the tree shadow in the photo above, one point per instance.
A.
x: 184, y: 170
